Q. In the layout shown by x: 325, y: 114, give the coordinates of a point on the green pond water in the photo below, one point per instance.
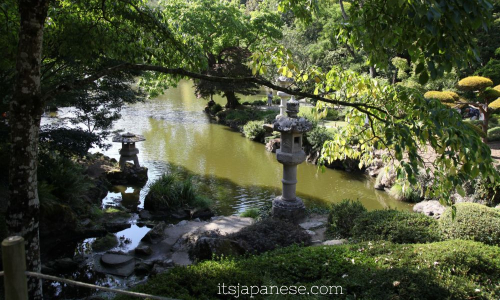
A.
x: 235, y: 172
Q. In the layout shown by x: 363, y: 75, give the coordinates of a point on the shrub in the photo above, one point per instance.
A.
x: 214, y: 109
x: 495, y: 104
x: 269, y: 234
x: 342, y: 216
x: 405, y: 192
x: 255, y: 131
x: 494, y: 134
x: 444, y: 270
x: 454, y: 95
x: 472, y: 222
x: 170, y: 192
x: 396, y: 226
x: 317, y: 137
x: 444, y: 97
x: 251, y: 212
x: 474, y: 83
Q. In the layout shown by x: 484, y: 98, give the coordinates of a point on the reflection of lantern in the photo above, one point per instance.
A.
x: 128, y: 151
x: 131, y: 200
x: 288, y: 205
x: 283, y: 82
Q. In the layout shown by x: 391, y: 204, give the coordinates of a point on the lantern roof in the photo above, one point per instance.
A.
x: 128, y: 137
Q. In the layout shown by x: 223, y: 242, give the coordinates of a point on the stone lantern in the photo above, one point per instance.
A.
x: 288, y: 206
x: 283, y: 82
x: 128, y: 152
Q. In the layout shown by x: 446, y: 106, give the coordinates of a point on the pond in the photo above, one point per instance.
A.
x: 237, y: 172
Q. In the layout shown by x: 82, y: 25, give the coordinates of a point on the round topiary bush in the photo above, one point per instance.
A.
x: 495, y: 104
x: 472, y: 221
x: 396, y: 226
x: 474, y: 83
x: 444, y: 97
x: 342, y: 216
x: 494, y: 134
x: 453, y: 95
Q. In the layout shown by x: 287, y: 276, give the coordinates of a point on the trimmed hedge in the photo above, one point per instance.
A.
x: 342, y: 216
x: 444, y: 270
x: 474, y: 83
x: 472, y: 222
x: 396, y: 226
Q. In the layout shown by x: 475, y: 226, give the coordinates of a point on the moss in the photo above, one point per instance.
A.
x: 444, y: 270
x: 104, y: 243
x: 472, y: 222
x: 444, y: 97
x: 474, y: 83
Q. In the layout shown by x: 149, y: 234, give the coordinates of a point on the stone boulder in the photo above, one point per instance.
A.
x: 115, y: 264
x: 273, y: 144
x: 431, y: 208
x: 208, y: 247
x: 130, y: 175
x: 156, y: 234
x: 385, y: 179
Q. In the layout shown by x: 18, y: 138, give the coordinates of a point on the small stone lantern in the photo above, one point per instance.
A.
x: 283, y: 82
x: 288, y: 206
x: 128, y: 152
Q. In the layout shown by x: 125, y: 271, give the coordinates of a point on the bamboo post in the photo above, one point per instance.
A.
x: 14, y: 266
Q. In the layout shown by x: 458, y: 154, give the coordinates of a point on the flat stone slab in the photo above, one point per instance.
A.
x: 115, y: 264
x: 334, y: 242
x: 114, y: 260
x: 311, y: 224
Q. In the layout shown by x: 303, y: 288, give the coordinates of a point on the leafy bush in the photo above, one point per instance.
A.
x: 472, y: 222
x: 396, y: 226
x: 255, y: 131
x: 444, y: 270
x: 494, y: 134
x: 269, y: 234
x: 214, y: 109
x: 251, y: 212
x: 63, y: 178
x: 342, y: 216
x: 70, y: 141
x: 405, y: 192
x: 170, y: 192
x: 317, y: 137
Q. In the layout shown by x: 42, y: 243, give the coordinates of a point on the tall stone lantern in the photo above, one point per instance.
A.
x: 284, y: 81
x: 128, y: 152
x: 288, y: 206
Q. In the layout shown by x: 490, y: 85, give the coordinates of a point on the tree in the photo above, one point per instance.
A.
x: 229, y: 63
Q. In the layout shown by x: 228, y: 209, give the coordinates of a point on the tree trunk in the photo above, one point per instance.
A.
x: 232, y: 101
x: 486, y: 114
x: 373, y: 72
x: 26, y: 109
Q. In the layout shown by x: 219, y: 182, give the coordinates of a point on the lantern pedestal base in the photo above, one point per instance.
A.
x: 293, y: 211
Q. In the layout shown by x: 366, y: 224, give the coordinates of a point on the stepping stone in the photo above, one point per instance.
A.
x: 311, y: 224
x: 115, y: 260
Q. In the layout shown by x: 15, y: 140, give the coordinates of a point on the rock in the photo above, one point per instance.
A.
x: 181, y: 258
x: 206, y: 247
x: 145, y: 214
x: 156, y: 234
x: 204, y: 213
x: 197, y: 220
x: 105, y: 243
x: 115, y: 264
x: 143, y: 250
x: 116, y: 260
x: 273, y: 145
x: 180, y: 214
x: 310, y: 232
x: 312, y: 224
x: 116, y: 226
x: 334, y: 242
x: 85, y: 222
x: 48, y: 270
x: 130, y: 175
x: 162, y: 266
x: 143, y: 268
x: 65, y: 265
x: 385, y: 179
x: 431, y: 208
x: 182, y: 223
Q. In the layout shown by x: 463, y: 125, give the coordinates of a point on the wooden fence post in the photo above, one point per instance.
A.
x: 14, y: 266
